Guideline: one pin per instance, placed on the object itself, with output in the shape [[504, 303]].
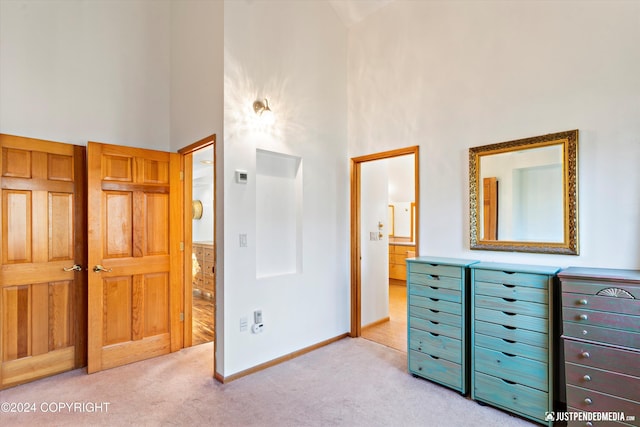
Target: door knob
[[76, 267], [99, 269]]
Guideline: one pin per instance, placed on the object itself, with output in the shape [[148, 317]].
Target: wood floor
[[203, 330], [394, 332]]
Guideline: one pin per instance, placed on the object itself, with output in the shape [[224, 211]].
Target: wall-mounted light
[[261, 107], [263, 111]]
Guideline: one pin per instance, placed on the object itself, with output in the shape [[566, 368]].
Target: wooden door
[[135, 262], [42, 298]]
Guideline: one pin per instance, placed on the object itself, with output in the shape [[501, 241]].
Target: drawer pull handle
[[508, 313], [585, 355], [509, 341], [508, 354], [435, 323], [434, 265], [583, 317], [435, 335], [434, 276], [588, 401], [509, 272], [419, 348], [434, 299], [434, 287], [434, 357], [587, 378], [507, 381], [583, 302], [510, 299], [511, 328], [508, 286], [434, 311]]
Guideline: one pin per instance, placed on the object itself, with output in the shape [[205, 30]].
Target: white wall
[[74, 71], [293, 53], [197, 71], [452, 75]]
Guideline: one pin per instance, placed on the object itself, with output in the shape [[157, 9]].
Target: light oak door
[[42, 276], [134, 215]]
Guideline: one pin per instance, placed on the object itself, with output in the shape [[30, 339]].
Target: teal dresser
[[601, 336], [512, 339], [437, 307]]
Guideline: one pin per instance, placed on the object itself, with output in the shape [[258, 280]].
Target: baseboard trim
[[278, 360], [376, 323]]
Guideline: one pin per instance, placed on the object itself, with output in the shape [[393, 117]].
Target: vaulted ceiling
[[353, 11]]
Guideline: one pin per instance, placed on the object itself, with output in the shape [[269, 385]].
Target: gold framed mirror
[[523, 195]]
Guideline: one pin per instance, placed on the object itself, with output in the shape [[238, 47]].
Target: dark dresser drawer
[[592, 401], [602, 381], [602, 318], [602, 303], [601, 334], [603, 357]]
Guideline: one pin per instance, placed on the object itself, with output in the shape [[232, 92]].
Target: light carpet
[[352, 382]]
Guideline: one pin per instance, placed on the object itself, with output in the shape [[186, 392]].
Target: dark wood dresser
[[601, 336]]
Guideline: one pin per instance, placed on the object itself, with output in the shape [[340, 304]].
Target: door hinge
[[181, 176], [181, 246], [182, 317]]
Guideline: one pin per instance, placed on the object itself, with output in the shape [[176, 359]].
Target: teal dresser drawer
[[435, 293], [436, 345], [436, 269], [511, 396], [512, 347], [512, 352], [539, 339], [433, 303], [512, 368], [508, 305], [435, 316], [435, 327], [520, 293], [437, 310], [437, 281], [509, 278], [531, 323], [436, 369]]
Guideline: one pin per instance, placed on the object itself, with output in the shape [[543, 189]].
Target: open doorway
[[384, 232], [199, 247]]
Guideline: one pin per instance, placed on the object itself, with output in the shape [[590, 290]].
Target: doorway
[[199, 248], [384, 232]]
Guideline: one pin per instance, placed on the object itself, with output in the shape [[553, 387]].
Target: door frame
[[356, 264], [188, 239]]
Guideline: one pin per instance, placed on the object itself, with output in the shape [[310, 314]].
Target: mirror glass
[[523, 195]]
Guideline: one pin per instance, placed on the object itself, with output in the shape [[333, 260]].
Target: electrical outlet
[[257, 317]]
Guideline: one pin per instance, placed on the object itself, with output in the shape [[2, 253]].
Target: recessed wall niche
[[278, 214]]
